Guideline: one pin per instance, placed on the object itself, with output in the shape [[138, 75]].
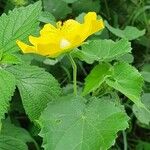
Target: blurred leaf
[[128, 81], [36, 88], [146, 72], [146, 76], [18, 25], [70, 124], [144, 41], [50, 61], [80, 17], [140, 11], [10, 143], [59, 9], [102, 50], [81, 6], [11, 4], [69, 1], [143, 145], [129, 32], [96, 77], [19, 2], [129, 58], [47, 17], [142, 114], [15, 132]]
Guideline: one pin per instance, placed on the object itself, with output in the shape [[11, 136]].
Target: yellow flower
[[54, 41]]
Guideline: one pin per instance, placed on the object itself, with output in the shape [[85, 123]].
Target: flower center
[[64, 43]]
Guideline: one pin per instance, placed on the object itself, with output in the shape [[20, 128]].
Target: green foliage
[[143, 145], [18, 24], [70, 124], [82, 6], [121, 77], [7, 143], [10, 59], [146, 72], [127, 80], [102, 50], [15, 132], [18, 2], [96, 77], [36, 88], [47, 17], [126, 58], [143, 114], [69, 1], [66, 121], [129, 32], [59, 10], [7, 86], [13, 137], [146, 75]]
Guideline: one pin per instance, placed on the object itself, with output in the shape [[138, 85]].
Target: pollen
[[64, 43]]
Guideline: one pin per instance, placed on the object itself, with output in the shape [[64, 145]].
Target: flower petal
[[33, 40], [70, 25], [90, 16], [52, 50], [70, 31], [48, 28], [91, 25], [96, 26], [26, 48]]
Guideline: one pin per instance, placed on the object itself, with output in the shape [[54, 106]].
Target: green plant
[[88, 113]]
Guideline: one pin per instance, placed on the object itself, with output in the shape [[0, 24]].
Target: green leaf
[[129, 58], [80, 17], [144, 41], [47, 17], [10, 59], [142, 114], [69, 1], [9, 129], [146, 75], [102, 50], [127, 80], [18, 2], [58, 9], [129, 32], [10, 143], [7, 86], [81, 6], [16, 137], [18, 25], [1, 54], [70, 124], [36, 87], [142, 145], [96, 77], [146, 72], [51, 62]]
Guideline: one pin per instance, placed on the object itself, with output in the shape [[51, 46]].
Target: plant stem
[[107, 9], [74, 67], [36, 145], [125, 140]]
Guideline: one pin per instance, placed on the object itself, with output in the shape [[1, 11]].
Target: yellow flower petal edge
[[54, 41]]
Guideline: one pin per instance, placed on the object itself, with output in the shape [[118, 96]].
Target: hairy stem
[[125, 140], [74, 67]]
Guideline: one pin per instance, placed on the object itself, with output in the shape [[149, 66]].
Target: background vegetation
[[118, 14]]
